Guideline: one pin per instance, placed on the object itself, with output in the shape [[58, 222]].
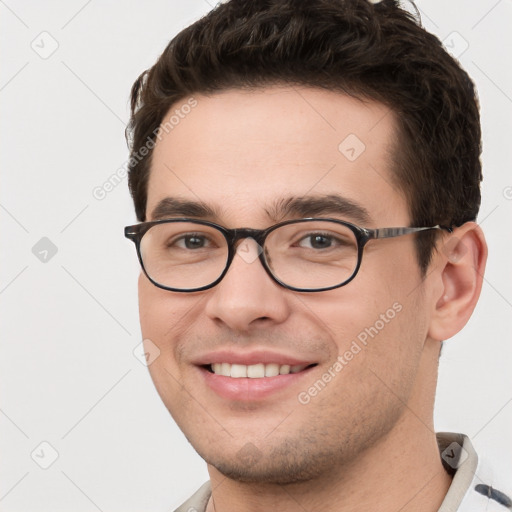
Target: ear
[[460, 271]]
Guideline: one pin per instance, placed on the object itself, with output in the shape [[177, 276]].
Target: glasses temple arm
[[393, 232]]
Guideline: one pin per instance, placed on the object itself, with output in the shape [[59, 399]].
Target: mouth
[[255, 371], [255, 376]]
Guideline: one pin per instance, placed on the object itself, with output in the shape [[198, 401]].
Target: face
[[354, 351]]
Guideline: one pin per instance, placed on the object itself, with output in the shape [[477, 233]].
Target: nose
[[247, 297]]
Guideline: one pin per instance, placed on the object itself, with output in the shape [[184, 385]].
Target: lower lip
[[246, 389]]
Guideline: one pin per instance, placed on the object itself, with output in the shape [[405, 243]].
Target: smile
[[254, 371]]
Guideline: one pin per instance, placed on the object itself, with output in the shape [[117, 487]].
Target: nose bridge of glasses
[[240, 240], [258, 235], [247, 243]]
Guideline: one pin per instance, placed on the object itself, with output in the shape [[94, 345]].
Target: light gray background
[[69, 324]]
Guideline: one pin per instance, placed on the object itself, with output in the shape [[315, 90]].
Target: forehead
[[245, 152]]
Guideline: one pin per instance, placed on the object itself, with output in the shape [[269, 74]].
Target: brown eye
[[317, 241]]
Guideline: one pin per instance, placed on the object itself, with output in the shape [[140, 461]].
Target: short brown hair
[[369, 51]]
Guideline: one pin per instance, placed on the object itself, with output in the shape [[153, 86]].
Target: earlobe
[[461, 259]]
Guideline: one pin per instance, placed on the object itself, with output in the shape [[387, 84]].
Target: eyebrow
[[291, 207], [176, 207], [316, 206]]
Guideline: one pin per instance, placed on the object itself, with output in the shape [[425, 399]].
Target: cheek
[[167, 319], [160, 311], [378, 351], [152, 310], [164, 316], [378, 319]]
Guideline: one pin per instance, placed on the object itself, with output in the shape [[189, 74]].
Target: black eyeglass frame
[[232, 236]]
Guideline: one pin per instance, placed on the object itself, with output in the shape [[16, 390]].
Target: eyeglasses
[[304, 255]]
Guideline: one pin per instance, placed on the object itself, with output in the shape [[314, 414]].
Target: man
[[273, 145]]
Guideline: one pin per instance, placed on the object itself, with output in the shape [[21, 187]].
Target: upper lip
[[249, 358]]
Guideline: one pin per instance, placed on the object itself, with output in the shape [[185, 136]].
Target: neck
[[403, 471]]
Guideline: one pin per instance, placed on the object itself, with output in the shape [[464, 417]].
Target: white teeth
[[271, 370], [255, 371], [284, 370], [238, 371]]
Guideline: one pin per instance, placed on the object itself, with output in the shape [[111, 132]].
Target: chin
[[283, 465]]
